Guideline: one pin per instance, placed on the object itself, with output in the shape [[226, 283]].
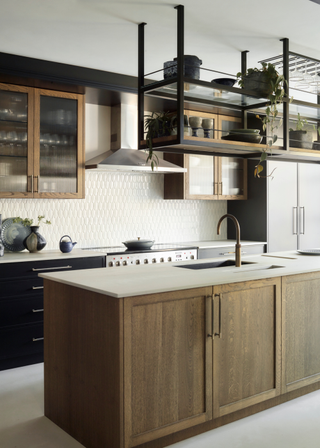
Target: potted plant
[[34, 242], [299, 137], [158, 124], [266, 81]]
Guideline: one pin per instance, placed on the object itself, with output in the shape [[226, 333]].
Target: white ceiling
[[103, 34]]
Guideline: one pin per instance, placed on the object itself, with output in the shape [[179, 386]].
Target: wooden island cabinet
[[154, 369]]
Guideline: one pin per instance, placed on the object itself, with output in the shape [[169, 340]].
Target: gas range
[[119, 256]]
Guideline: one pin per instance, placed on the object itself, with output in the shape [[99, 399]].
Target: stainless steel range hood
[[123, 155]]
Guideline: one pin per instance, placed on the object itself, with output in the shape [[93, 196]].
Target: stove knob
[[110, 264], [192, 257], [146, 261], [117, 263], [161, 260], [169, 259], [137, 261], [124, 263], [154, 260]]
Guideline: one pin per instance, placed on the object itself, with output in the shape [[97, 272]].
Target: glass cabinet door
[[16, 109], [58, 140], [233, 176], [201, 176]]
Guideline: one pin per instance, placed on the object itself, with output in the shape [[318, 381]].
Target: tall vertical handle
[[210, 317], [295, 220], [302, 222], [220, 316]]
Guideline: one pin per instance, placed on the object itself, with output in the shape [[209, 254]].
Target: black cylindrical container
[[191, 67]]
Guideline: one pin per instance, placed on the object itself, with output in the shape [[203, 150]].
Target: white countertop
[[17, 257], [149, 279], [220, 243]]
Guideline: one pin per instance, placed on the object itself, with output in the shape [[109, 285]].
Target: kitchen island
[[147, 356]]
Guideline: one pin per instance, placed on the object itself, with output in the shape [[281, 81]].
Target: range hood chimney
[[124, 155]]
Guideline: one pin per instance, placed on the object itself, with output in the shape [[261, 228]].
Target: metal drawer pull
[[51, 269], [211, 334], [37, 339], [37, 311], [37, 287], [220, 315]]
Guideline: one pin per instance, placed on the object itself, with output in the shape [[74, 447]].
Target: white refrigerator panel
[[309, 206], [282, 206]]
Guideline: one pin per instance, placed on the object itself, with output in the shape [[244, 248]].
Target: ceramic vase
[[34, 242]]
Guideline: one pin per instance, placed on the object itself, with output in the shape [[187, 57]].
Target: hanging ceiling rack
[[298, 61]]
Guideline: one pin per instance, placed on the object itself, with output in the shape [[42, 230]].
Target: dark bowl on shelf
[[248, 138], [225, 81], [244, 131]]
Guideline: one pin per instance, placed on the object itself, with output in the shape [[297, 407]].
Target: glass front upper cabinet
[[58, 144], [41, 143], [16, 138]]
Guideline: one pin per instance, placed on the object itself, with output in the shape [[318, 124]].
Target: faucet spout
[[238, 245]]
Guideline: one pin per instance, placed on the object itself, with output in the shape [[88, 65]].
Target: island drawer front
[[33, 268], [24, 341], [28, 287], [215, 252], [22, 310]]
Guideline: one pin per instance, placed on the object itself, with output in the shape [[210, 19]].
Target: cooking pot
[[66, 246], [138, 244]]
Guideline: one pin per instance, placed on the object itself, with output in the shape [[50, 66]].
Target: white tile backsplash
[[118, 207]]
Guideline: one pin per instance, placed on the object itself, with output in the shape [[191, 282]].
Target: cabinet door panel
[[16, 141], [58, 144], [247, 353], [301, 331], [167, 379], [201, 178], [282, 206], [309, 211]]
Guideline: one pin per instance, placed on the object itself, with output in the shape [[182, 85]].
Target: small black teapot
[[66, 246]]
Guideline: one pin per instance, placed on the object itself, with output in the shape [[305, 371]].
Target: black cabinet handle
[[51, 269]]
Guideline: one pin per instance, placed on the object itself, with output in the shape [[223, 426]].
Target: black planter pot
[[300, 139], [258, 83]]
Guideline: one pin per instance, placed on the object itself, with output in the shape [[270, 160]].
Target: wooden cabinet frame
[[300, 331], [247, 344], [173, 329], [33, 149]]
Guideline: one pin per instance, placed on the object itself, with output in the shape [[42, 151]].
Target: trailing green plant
[[29, 221], [276, 97], [156, 125]]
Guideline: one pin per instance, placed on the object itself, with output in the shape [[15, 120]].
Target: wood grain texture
[[83, 364], [247, 357], [301, 331], [168, 364], [229, 418]]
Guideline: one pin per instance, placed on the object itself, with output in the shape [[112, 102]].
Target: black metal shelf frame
[[160, 89]]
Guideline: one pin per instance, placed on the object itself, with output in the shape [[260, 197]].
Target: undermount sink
[[213, 264]]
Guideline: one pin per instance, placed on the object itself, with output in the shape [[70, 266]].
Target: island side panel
[[83, 364]]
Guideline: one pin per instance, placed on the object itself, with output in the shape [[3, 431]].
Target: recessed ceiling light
[[315, 1]]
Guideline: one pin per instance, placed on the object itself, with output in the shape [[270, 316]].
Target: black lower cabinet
[[21, 307]]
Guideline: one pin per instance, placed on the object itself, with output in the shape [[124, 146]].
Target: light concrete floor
[[295, 424]]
